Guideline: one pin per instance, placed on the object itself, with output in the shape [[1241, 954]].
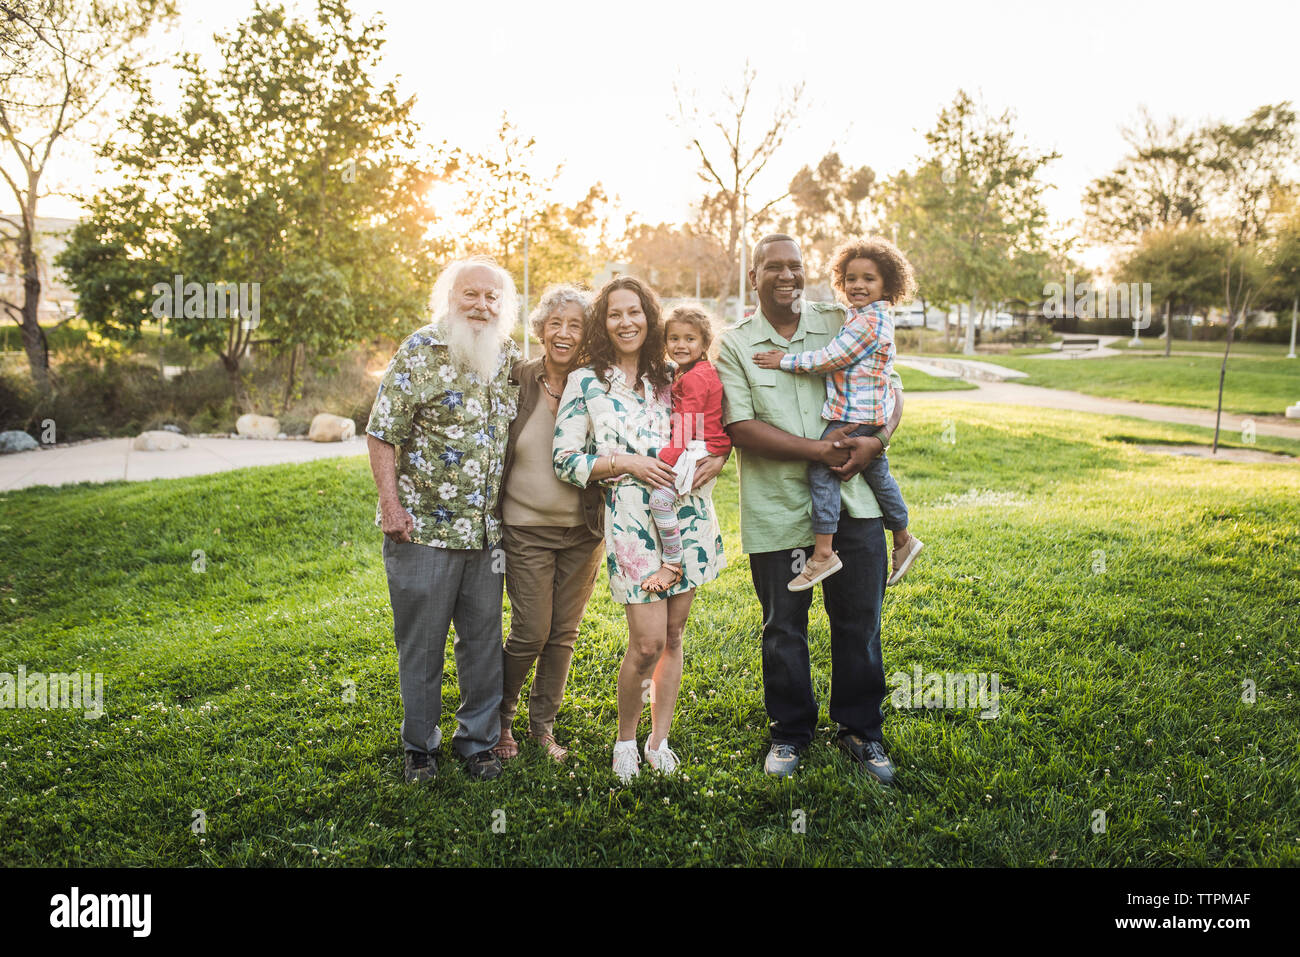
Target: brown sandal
[[553, 750], [506, 747], [654, 585]]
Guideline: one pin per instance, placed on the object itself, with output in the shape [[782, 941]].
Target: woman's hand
[[771, 359], [647, 470], [707, 469]]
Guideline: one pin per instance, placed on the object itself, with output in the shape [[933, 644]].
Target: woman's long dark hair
[[597, 350]]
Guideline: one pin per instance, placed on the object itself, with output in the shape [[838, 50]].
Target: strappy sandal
[[553, 750], [675, 570], [506, 747]]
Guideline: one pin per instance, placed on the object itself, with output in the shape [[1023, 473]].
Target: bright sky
[[593, 82]]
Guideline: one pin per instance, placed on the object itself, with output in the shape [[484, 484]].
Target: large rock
[[159, 441], [257, 426], [331, 428], [17, 442]]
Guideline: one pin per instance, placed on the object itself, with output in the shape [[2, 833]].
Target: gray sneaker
[[781, 761]]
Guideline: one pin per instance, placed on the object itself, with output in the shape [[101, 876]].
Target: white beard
[[474, 350]]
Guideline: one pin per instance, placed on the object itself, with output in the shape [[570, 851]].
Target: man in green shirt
[[774, 420]]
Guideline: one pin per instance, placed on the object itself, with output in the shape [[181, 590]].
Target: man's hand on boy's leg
[[863, 450]]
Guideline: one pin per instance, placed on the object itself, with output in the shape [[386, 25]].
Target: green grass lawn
[[1122, 597], [1255, 384], [1157, 346], [914, 380]]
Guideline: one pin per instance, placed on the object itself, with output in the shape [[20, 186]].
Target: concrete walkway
[[1013, 393], [109, 459]]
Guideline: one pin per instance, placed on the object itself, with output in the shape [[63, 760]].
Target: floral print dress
[[590, 424]]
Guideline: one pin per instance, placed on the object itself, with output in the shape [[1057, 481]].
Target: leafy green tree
[[831, 203], [286, 166], [61, 59], [1162, 182], [975, 202], [1184, 265]]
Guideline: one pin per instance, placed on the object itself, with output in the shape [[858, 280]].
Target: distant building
[[58, 302]]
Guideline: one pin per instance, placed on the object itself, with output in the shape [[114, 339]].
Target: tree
[[62, 60], [1251, 162], [285, 167], [1184, 265], [831, 203], [1245, 277], [976, 199], [1161, 182], [674, 258], [731, 161], [495, 198]]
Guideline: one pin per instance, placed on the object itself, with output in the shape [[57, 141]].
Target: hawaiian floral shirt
[[449, 428]]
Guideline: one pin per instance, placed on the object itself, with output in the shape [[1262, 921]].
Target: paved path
[[1013, 393], [109, 459]]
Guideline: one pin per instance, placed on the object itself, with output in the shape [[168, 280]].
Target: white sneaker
[[664, 760], [625, 764]]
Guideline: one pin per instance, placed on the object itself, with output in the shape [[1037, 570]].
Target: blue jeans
[[853, 599], [825, 489]]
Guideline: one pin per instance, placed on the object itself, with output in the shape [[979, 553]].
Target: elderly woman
[[552, 533], [614, 415]]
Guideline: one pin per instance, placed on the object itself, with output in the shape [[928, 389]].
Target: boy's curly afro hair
[[894, 268]]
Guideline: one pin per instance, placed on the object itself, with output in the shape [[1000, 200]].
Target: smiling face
[[778, 278], [476, 297], [685, 344], [625, 323], [562, 334], [863, 283]]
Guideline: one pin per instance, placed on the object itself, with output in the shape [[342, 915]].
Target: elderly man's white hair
[[440, 301]]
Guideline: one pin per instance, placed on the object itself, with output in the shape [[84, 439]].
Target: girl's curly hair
[[895, 270], [597, 350]]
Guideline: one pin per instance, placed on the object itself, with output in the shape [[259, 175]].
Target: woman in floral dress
[[613, 417]]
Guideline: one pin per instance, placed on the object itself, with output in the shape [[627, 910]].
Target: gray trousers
[[431, 589]]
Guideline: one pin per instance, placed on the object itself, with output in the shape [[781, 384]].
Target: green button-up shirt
[[775, 502]]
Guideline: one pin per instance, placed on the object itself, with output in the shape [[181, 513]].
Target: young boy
[[869, 275]]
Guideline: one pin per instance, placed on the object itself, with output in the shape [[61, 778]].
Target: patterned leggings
[[663, 507]]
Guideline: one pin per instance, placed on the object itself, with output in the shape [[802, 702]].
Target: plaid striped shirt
[[857, 364]]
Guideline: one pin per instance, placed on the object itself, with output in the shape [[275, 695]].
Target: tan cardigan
[[524, 374]]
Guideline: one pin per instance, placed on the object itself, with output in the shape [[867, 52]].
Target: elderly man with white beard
[[437, 439]]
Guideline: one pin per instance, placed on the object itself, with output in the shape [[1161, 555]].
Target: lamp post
[[740, 297], [524, 316], [1294, 303]]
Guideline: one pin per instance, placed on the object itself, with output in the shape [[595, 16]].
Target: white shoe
[[664, 760], [625, 764]]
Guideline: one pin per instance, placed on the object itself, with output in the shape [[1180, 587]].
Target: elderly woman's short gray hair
[[554, 298]]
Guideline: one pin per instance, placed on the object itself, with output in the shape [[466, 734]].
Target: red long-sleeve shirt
[[697, 412]]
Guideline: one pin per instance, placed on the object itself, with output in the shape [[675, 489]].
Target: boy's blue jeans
[[825, 488]]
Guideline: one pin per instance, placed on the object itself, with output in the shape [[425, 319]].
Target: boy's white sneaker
[[625, 763], [663, 760]]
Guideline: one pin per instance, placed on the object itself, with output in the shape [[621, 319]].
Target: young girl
[[696, 425], [869, 275]]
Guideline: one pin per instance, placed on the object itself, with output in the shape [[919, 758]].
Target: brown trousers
[[550, 574]]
